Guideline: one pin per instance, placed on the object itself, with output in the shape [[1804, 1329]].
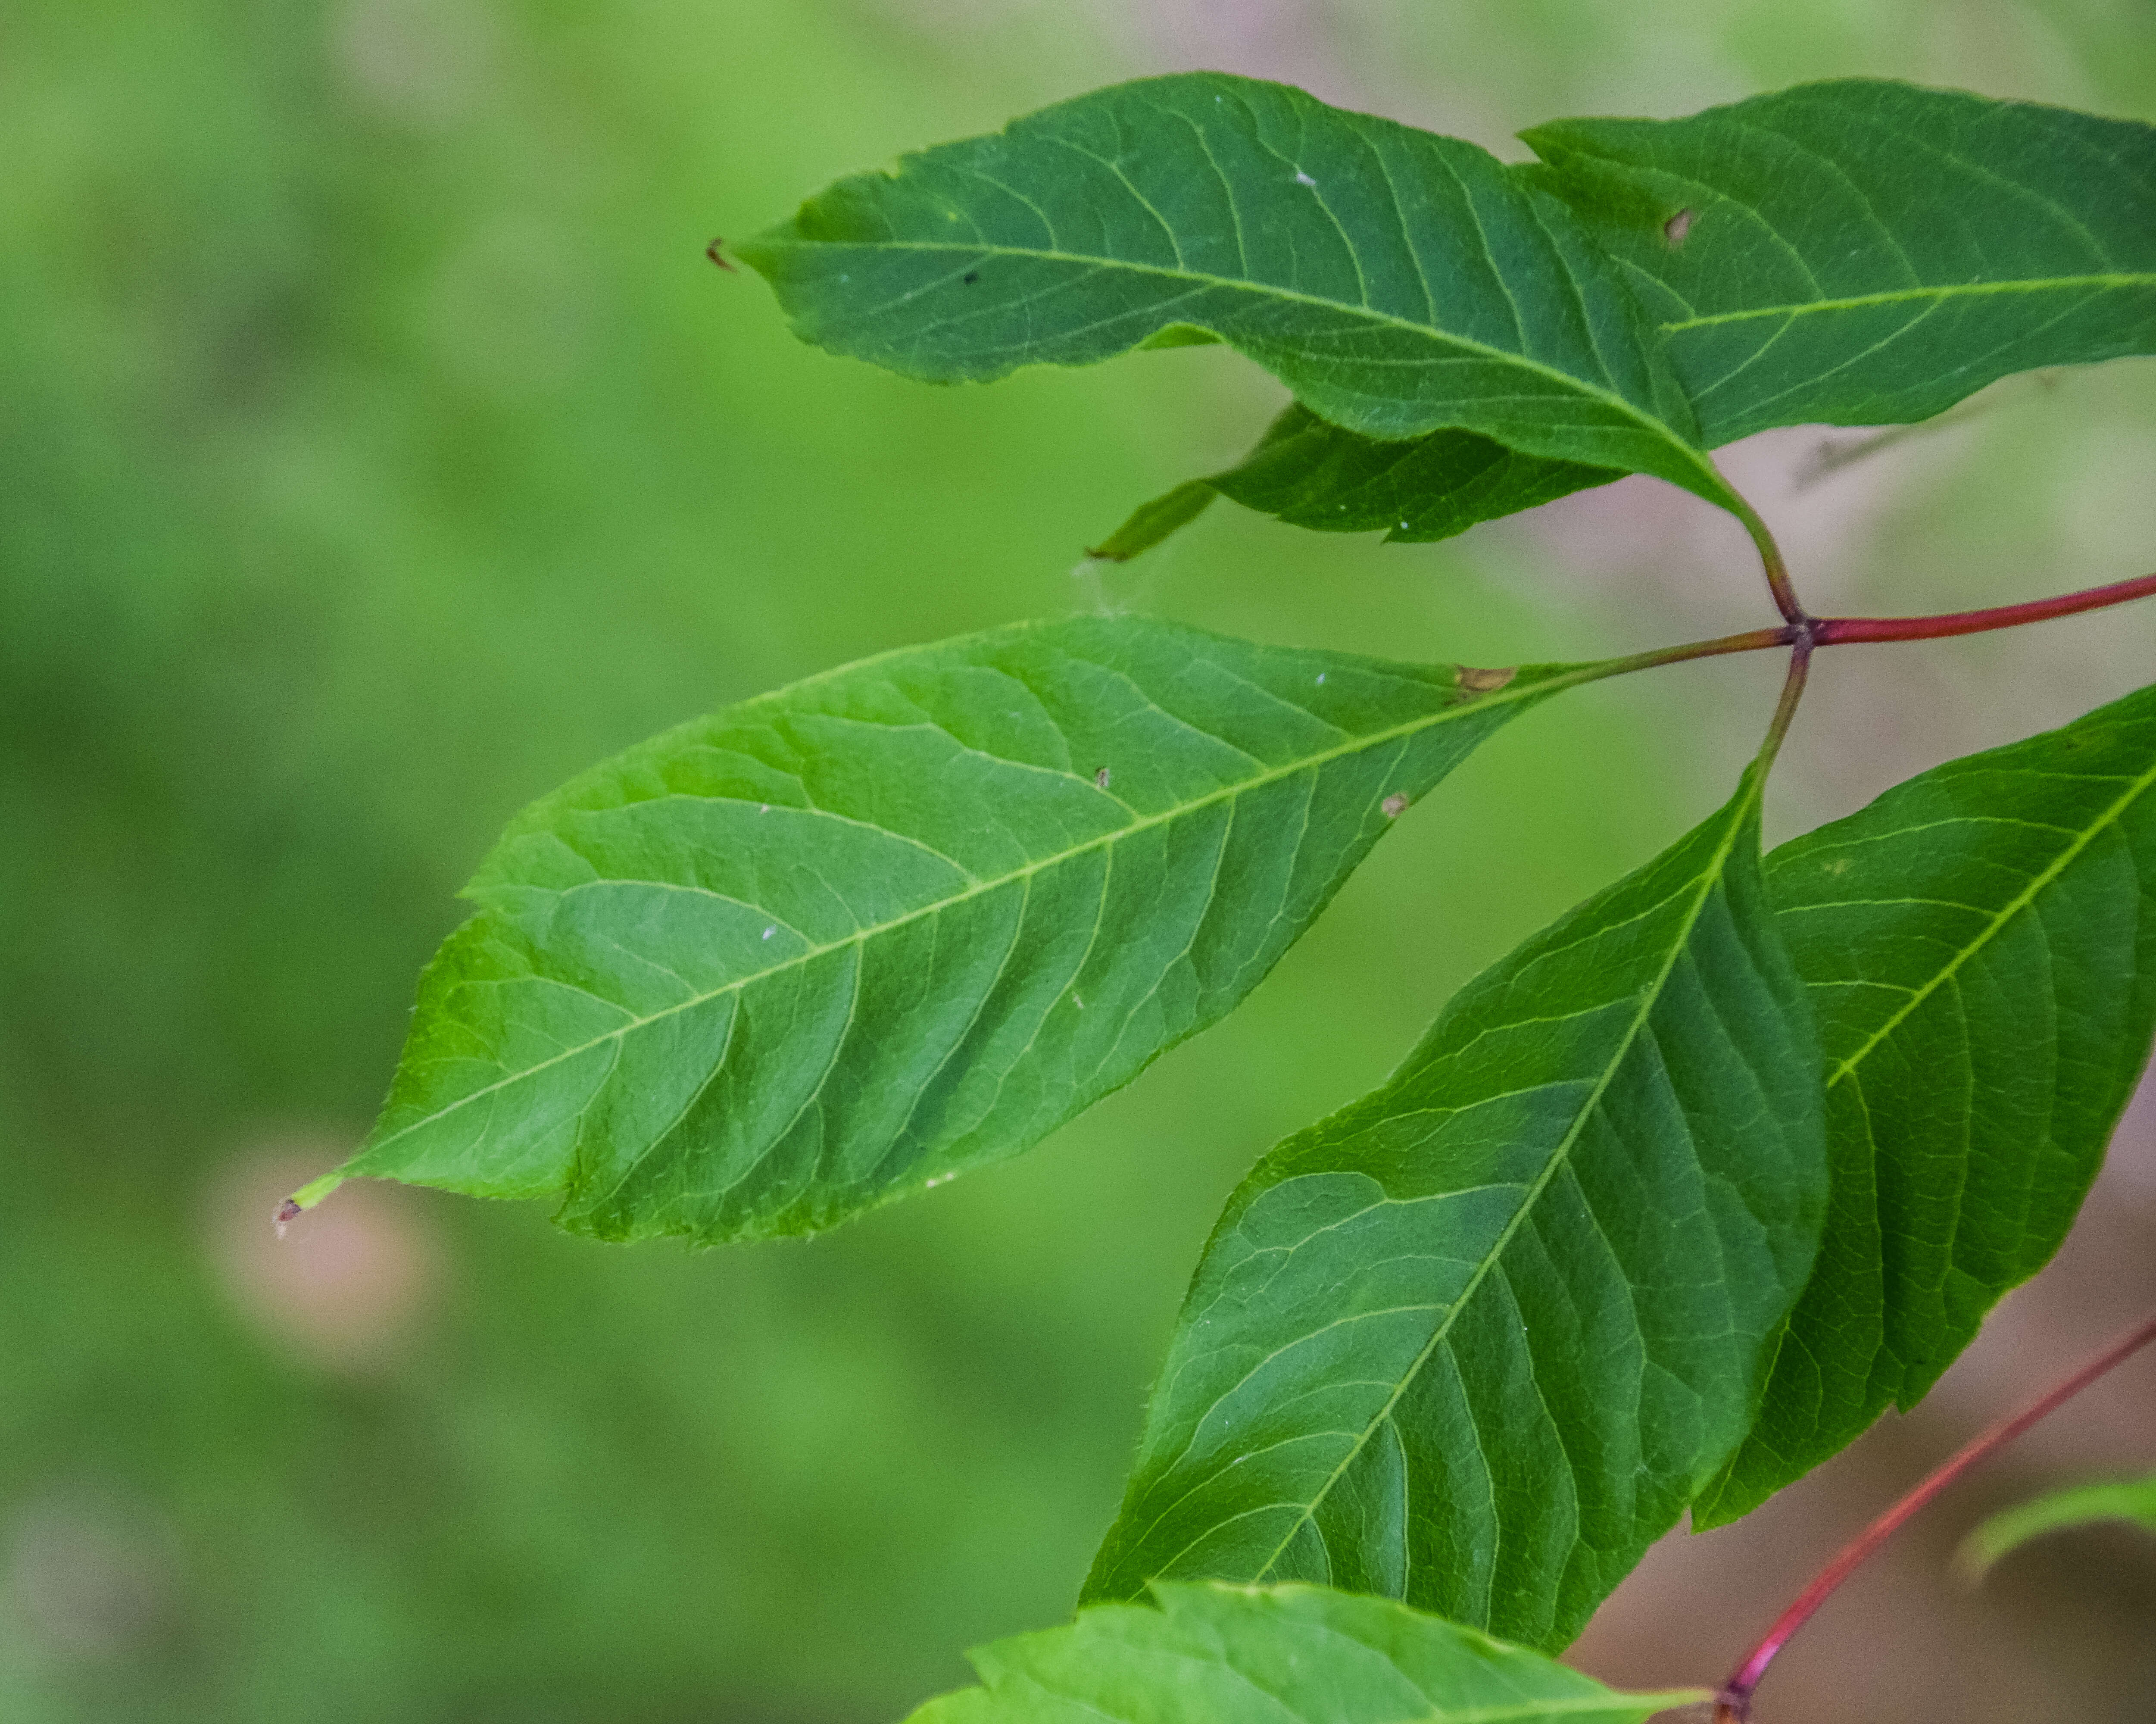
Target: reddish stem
[[1733, 1704], [1841, 631], [1835, 631]]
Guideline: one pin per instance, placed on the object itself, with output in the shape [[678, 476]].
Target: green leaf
[[1477, 1340], [1397, 282], [1291, 1654], [1856, 253], [841, 941], [1866, 253], [2133, 1500], [1310, 474], [1980, 947]]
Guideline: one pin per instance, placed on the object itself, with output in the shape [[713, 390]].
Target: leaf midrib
[[2020, 901], [1506, 696], [1574, 385], [1559, 1158], [1859, 301]]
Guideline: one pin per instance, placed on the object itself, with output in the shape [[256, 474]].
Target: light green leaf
[[841, 941], [1396, 281], [1477, 1340], [2133, 1500], [1980, 947], [1309, 474], [1866, 253], [1290, 1654]]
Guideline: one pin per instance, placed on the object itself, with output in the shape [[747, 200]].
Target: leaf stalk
[[1848, 631], [1732, 1703]]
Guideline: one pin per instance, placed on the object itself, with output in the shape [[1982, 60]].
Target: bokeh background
[[377, 449]]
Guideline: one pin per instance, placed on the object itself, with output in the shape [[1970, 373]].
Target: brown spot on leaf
[[719, 257], [1101, 778], [1395, 805], [1485, 682], [1678, 225]]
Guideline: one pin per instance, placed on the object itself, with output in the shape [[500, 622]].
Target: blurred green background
[[377, 449]]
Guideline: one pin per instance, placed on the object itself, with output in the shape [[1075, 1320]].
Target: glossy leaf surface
[[1397, 282], [1867, 253], [1980, 947], [841, 942], [2130, 1501], [1309, 474], [1477, 1340], [1292, 1654]]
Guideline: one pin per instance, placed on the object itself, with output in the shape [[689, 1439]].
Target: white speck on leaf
[[1101, 778], [1304, 179], [770, 931], [1395, 805], [1320, 676]]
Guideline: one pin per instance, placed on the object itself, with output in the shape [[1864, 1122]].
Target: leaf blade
[[1513, 1226], [1215, 1655], [1397, 282], [1306, 473], [1980, 944], [841, 941], [2130, 1501]]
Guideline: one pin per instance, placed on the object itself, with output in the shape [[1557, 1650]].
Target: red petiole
[[1844, 631], [1732, 1705]]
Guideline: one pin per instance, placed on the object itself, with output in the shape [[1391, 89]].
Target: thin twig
[[1733, 1703]]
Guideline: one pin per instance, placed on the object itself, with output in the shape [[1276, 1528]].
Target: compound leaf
[[1397, 282], [2132, 1500], [1867, 253], [1477, 1340], [1307, 473], [1980, 947], [1290, 1654], [841, 942]]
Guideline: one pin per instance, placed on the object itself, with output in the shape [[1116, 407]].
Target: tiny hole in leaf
[[1395, 805], [1484, 682], [1101, 777], [1678, 225]]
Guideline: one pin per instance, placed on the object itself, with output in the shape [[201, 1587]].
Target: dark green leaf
[[1477, 1340], [1292, 1654], [841, 941], [1151, 522], [1980, 945], [1857, 253], [1310, 474], [2133, 1500], [1396, 281], [1866, 252]]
